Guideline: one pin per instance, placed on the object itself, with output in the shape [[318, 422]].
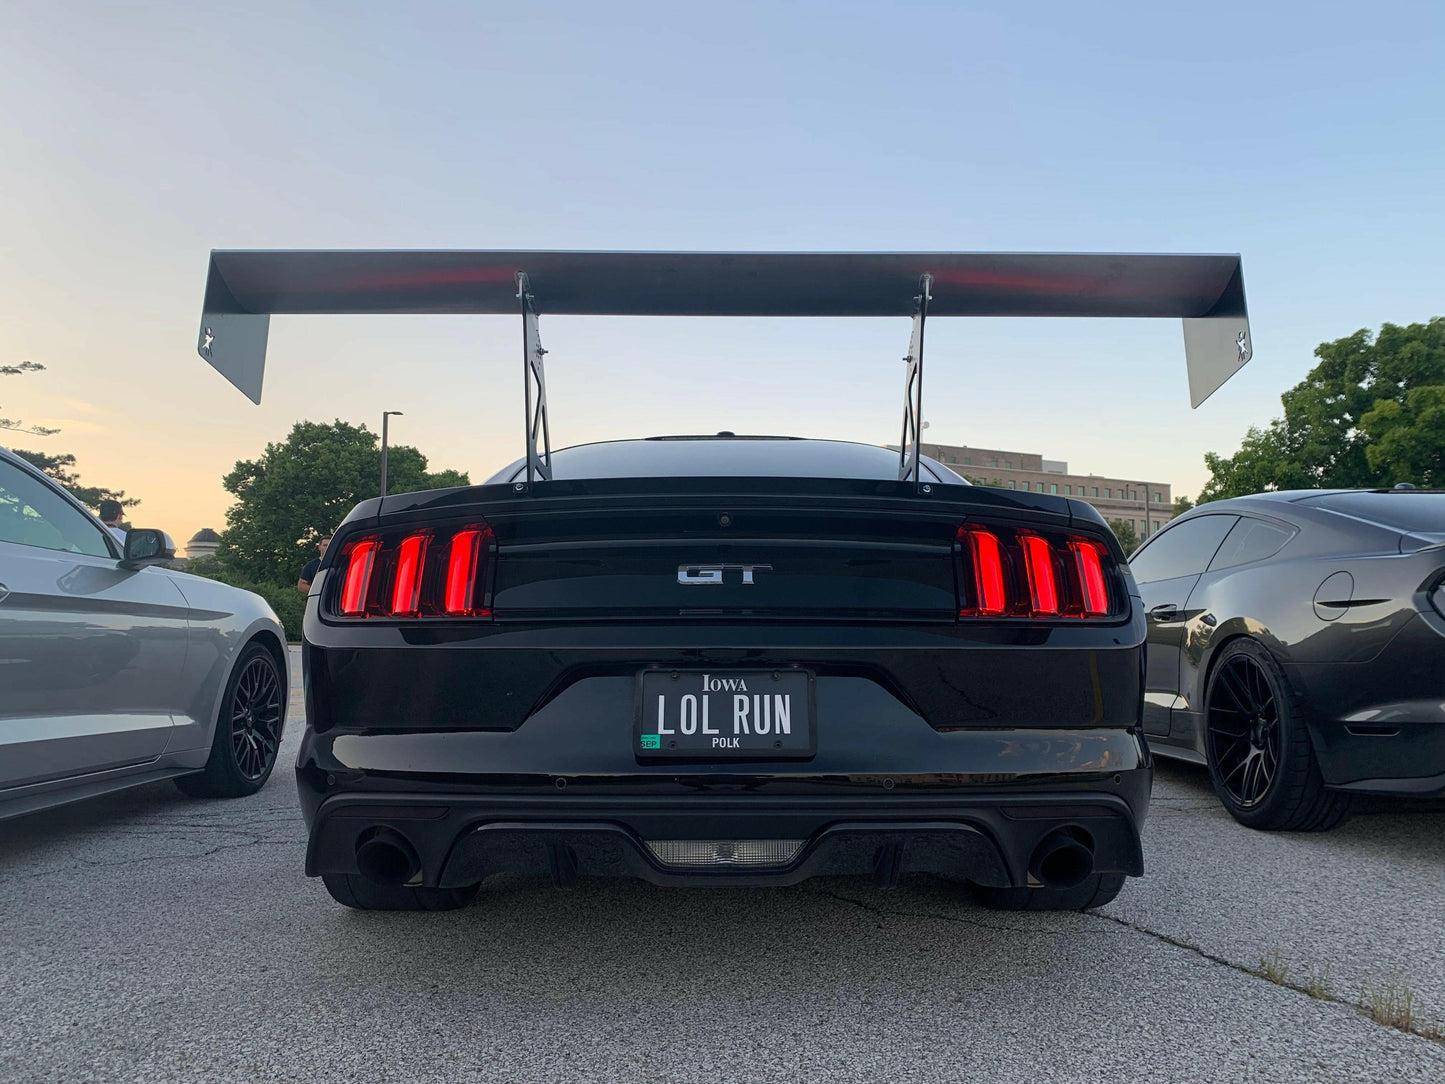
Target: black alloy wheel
[[1261, 759], [249, 728], [1243, 721], [256, 717]]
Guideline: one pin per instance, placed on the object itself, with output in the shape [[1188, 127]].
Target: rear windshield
[[1401, 510], [683, 457]]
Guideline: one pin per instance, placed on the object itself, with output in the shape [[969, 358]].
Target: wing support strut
[[910, 448], [534, 380]]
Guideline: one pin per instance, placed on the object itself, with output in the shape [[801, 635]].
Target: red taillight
[[991, 597], [360, 562], [1016, 573], [406, 588], [463, 564], [1039, 565], [432, 573], [1094, 592]]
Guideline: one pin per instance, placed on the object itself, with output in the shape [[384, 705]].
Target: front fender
[[223, 620]]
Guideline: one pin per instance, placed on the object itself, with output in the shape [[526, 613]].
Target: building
[[202, 544], [1147, 505]]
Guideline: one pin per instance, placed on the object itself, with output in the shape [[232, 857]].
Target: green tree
[[1126, 534], [1407, 440], [16, 423], [299, 489], [1182, 504], [59, 467], [1368, 414]]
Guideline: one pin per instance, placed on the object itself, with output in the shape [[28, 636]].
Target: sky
[[135, 138]]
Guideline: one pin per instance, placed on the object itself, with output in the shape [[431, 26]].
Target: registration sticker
[[651, 741]]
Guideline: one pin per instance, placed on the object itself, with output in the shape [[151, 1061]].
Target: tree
[[1407, 440], [16, 423], [59, 467], [1124, 531], [1182, 504], [1369, 414], [299, 489]]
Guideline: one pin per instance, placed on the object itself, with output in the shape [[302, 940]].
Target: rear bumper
[[985, 838], [512, 751]]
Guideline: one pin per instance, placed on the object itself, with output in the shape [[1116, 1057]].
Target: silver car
[[117, 671]]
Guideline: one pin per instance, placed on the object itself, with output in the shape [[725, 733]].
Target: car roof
[[725, 455], [1383, 508]]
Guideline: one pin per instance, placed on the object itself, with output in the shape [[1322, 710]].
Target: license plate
[[724, 713]]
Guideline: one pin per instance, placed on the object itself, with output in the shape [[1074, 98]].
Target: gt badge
[[702, 574]]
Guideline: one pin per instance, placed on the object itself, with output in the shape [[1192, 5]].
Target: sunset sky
[[133, 139]]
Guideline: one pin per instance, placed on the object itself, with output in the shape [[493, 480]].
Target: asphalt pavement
[[151, 937]]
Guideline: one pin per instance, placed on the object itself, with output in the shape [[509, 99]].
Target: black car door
[[1166, 569]]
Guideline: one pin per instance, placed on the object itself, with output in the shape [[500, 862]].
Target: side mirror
[[147, 547]]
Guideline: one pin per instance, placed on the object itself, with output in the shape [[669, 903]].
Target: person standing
[[309, 572], [112, 515]]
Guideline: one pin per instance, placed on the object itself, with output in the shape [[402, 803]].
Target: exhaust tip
[[387, 857], [1062, 860]]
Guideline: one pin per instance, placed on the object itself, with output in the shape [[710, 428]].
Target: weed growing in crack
[[1318, 986], [1273, 968], [1389, 1001]]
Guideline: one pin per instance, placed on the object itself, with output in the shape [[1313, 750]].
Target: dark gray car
[[1297, 647], [115, 670]]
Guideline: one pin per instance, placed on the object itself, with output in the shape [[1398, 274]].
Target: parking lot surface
[[147, 936]]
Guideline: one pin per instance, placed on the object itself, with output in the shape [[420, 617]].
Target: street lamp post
[[385, 414]]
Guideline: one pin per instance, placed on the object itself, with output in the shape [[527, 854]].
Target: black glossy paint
[[1344, 607], [921, 716]]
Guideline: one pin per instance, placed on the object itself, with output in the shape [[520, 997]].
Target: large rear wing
[[243, 289]]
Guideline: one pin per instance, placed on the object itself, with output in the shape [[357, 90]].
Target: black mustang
[[724, 660], [1297, 647]]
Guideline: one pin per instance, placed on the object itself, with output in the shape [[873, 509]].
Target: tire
[[355, 891], [1096, 890], [1261, 760], [249, 728]]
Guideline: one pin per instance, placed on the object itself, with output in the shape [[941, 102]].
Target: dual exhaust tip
[[386, 857], [1063, 859]]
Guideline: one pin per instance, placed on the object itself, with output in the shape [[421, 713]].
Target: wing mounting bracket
[[910, 449], [534, 380]]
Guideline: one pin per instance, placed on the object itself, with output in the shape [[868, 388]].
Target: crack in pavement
[[961, 920], [88, 863], [1429, 1034], [1325, 997]]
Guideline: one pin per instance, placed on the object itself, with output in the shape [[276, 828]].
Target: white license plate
[[724, 713]]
